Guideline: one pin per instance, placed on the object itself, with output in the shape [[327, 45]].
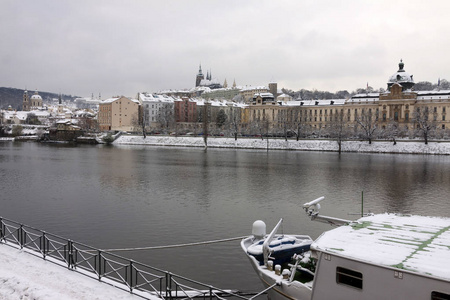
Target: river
[[135, 196]]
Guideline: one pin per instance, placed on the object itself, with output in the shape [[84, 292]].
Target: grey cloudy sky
[[116, 47]]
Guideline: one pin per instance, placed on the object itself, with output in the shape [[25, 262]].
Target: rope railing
[[146, 281], [176, 245]]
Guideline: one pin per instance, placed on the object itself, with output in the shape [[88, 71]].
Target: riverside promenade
[[26, 276]]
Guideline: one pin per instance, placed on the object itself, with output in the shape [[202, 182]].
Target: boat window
[[439, 296], [349, 277]]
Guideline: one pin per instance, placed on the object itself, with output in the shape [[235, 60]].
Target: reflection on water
[[130, 196]]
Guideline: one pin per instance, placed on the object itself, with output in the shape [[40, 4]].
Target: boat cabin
[[384, 256]]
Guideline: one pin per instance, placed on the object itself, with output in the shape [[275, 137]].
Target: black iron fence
[[140, 279]]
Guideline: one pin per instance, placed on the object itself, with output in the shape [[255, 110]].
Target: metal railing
[[140, 279]]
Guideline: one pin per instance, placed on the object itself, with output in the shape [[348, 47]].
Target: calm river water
[[133, 196]]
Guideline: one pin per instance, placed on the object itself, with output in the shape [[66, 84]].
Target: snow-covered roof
[[326, 102], [36, 97], [252, 88], [362, 98], [206, 82], [22, 115], [414, 243], [155, 97], [263, 95], [433, 95], [110, 100], [367, 95]]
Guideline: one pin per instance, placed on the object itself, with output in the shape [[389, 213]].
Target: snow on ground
[[402, 146], [25, 276]]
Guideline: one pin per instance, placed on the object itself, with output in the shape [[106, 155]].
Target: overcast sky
[[115, 47]]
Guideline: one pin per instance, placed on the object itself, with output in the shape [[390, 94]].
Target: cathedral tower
[[199, 77], [26, 101]]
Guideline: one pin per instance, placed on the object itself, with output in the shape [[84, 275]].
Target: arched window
[[396, 116]]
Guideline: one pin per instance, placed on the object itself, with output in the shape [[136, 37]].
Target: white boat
[[385, 256]]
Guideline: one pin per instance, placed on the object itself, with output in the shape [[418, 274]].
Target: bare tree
[[337, 128], [166, 118], [390, 131], [425, 121], [257, 127], [87, 124], [235, 121], [135, 122], [283, 122], [368, 122], [297, 122]]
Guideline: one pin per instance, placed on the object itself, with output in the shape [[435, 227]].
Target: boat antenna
[[362, 204], [312, 210]]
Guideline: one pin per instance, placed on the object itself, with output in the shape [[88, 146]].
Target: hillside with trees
[[14, 97]]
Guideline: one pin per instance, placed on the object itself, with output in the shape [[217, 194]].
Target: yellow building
[[400, 110], [119, 113]]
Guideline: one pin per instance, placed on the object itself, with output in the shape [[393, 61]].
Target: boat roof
[[414, 243]]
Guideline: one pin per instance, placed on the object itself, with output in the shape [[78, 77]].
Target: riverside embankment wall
[[402, 146]]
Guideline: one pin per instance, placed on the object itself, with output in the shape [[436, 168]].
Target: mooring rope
[[177, 245]]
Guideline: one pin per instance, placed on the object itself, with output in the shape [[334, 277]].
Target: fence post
[[131, 276], [43, 244], [2, 232], [70, 261], [20, 236], [99, 269], [168, 285]]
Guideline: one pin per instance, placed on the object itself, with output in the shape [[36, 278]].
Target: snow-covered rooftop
[[316, 102], [263, 95], [433, 95], [414, 243], [110, 100], [252, 88], [155, 97]]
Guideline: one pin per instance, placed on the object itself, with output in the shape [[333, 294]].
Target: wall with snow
[[411, 147]]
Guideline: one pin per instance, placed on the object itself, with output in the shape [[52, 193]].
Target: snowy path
[[25, 276]]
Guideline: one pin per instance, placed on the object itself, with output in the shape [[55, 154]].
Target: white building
[[156, 109]]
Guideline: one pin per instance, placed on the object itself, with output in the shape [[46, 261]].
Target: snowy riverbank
[[25, 276], [402, 146]]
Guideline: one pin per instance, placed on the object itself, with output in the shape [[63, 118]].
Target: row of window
[[355, 279]]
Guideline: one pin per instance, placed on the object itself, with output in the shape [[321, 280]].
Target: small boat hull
[[281, 288]]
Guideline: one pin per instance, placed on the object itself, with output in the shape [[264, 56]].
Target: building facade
[[157, 110], [185, 110], [119, 113], [247, 93], [400, 110]]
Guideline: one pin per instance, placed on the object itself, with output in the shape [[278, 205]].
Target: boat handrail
[[266, 249]]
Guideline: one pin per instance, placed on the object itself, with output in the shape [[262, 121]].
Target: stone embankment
[[402, 146]]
